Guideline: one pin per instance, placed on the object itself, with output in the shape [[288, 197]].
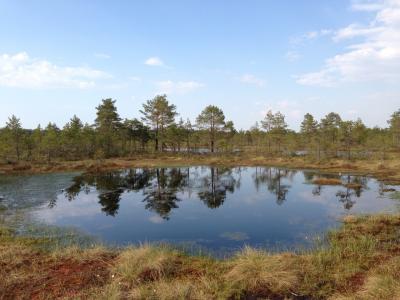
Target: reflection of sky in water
[[216, 209]]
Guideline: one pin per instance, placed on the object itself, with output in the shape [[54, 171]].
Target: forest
[[160, 130]]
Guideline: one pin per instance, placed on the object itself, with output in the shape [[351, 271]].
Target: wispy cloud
[[102, 56], [135, 78], [179, 87], [156, 220], [292, 109], [252, 79], [366, 5], [375, 58], [292, 56], [311, 35], [154, 62], [21, 71]]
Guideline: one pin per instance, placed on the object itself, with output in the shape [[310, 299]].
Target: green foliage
[[50, 141], [159, 115], [211, 119], [275, 127], [72, 136], [107, 125], [15, 132], [137, 135], [394, 124], [109, 136]]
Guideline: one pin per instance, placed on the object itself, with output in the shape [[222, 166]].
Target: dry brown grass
[[256, 273], [388, 170], [354, 186], [360, 261], [30, 273], [327, 181], [146, 264]]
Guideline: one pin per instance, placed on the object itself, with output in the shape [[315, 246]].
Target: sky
[[60, 58]]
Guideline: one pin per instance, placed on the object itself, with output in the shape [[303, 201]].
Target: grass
[[360, 260], [327, 181], [388, 170]]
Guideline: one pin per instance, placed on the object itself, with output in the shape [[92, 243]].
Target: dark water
[[216, 209]]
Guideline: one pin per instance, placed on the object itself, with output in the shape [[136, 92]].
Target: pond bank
[[361, 261], [388, 170]]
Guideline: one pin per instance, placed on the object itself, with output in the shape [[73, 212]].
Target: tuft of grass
[[327, 181], [169, 290], [360, 260], [354, 186], [254, 272], [145, 264]]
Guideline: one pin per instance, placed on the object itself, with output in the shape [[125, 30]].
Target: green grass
[[360, 260]]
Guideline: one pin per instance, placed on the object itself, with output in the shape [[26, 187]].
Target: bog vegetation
[[160, 130], [359, 261]]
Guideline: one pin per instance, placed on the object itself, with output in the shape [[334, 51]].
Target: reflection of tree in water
[[272, 177], [215, 185], [80, 184], [161, 195], [354, 186], [160, 187], [110, 186], [110, 201], [308, 176]]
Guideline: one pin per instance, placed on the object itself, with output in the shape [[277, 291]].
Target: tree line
[[159, 130]]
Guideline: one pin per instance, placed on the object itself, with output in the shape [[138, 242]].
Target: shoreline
[[388, 170], [358, 260], [361, 260]]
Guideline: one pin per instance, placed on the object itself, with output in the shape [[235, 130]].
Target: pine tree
[[15, 131], [159, 115], [211, 119], [107, 125]]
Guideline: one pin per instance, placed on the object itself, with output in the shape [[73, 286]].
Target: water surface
[[216, 209]]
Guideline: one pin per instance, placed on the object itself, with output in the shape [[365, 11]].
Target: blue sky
[[60, 58]]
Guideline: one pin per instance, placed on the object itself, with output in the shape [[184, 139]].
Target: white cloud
[[311, 35], [366, 5], [292, 109], [179, 87], [156, 220], [102, 56], [21, 71], [135, 78], [321, 78], [154, 61], [375, 58], [292, 56], [251, 79], [356, 30]]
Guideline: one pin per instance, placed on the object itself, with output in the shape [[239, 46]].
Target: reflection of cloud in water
[[87, 206], [367, 203], [307, 196], [235, 236], [156, 220], [255, 198]]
